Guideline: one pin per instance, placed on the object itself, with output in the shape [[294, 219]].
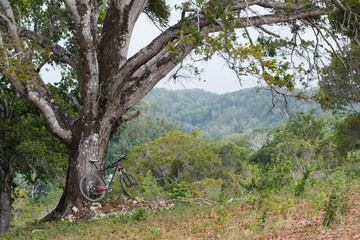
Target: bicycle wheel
[[92, 187], [130, 185]]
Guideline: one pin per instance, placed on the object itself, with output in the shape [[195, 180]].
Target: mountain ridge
[[221, 114]]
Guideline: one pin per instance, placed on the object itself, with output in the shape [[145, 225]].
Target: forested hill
[[221, 114]]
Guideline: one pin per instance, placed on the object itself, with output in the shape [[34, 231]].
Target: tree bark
[[5, 202], [87, 144]]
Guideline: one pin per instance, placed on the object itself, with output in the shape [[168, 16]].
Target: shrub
[[300, 185], [150, 186], [180, 191], [337, 202], [208, 188]]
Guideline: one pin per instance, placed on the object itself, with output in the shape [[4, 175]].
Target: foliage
[[150, 186], [27, 145], [147, 127], [300, 184], [180, 191], [304, 140], [24, 212], [231, 154], [32, 201], [207, 188], [175, 157], [139, 214], [221, 220], [340, 80], [274, 175], [347, 134], [158, 11], [336, 203], [263, 207], [344, 20]]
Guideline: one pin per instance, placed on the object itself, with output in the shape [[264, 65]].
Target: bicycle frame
[[117, 169]]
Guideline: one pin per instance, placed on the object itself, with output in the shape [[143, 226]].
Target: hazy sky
[[216, 76]]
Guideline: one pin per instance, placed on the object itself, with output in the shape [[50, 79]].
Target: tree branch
[[116, 34], [32, 85], [59, 51], [126, 119], [71, 6], [152, 76], [51, 116], [75, 101], [157, 45]]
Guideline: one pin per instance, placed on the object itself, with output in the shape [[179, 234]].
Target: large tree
[[92, 37]]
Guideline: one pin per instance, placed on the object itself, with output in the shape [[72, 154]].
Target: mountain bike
[[93, 187]]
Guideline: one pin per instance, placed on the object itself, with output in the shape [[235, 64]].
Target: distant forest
[[217, 115]]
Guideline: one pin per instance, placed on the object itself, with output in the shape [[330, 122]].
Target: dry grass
[[286, 217]]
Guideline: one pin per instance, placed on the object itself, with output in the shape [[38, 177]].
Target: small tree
[[26, 147], [176, 157]]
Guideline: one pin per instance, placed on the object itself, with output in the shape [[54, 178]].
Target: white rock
[[75, 209]]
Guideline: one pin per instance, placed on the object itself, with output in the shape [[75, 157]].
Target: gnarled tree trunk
[[87, 144]]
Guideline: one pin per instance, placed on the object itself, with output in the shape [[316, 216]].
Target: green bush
[[23, 211], [180, 191], [336, 202], [150, 186], [207, 188], [300, 185], [273, 175]]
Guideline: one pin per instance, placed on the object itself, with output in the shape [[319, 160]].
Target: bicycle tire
[[88, 185], [132, 189]]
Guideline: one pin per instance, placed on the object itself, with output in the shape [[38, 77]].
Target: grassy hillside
[[221, 114], [278, 216]]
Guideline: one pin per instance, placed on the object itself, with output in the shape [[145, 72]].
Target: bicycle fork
[[130, 185]]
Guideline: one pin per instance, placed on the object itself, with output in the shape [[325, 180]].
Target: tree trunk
[[5, 203], [86, 145]]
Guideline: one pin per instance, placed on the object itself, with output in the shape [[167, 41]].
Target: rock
[[92, 208], [75, 209]]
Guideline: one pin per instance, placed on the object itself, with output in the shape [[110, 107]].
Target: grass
[[278, 215]]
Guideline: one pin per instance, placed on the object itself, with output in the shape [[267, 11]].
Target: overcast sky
[[216, 76]]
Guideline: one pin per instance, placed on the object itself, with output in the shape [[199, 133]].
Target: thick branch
[[150, 53], [136, 87], [271, 5], [126, 119], [71, 6], [117, 30], [87, 69], [50, 116]]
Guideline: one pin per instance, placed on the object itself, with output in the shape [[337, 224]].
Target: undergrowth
[[254, 215]]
